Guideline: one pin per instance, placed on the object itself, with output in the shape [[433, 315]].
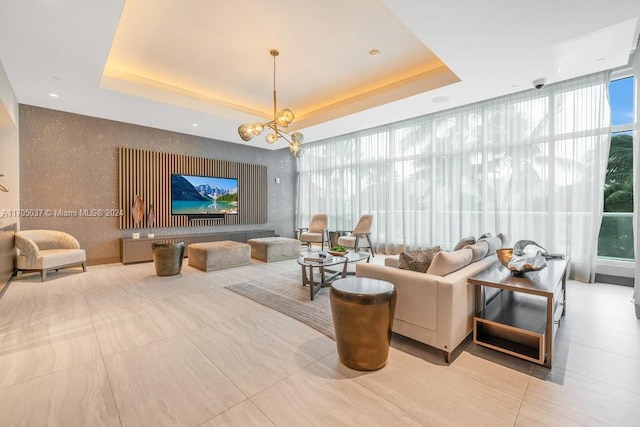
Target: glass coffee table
[[353, 257], [323, 275]]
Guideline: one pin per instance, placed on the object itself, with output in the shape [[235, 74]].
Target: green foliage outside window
[[616, 232]]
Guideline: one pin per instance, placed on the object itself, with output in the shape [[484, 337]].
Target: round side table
[[362, 310]]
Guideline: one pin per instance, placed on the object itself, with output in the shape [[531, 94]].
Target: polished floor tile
[[32, 351], [249, 354], [132, 326], [436, 394], [245, 414], [320, 396], [169, 382], [78, 396]]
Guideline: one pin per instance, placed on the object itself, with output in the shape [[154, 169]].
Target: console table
[[139, 250], [522, 319]]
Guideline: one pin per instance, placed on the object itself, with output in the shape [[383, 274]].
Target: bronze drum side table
[[167, 257], [363, 310]]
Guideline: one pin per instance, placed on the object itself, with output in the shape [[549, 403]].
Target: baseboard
[[614, 280]]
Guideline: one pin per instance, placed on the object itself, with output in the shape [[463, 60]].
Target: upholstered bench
[[210, 256], [270, 249]]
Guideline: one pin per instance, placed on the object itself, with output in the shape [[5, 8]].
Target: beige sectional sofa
[[437, 310]]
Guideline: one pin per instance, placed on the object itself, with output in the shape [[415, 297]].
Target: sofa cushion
[[464, 242], [448, 262], [418, 260], [480, 250], [505, 239], [392, 261], [494, 244]]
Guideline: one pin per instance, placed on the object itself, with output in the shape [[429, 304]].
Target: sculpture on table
[[526, 255], [151, 219], [137, 210]]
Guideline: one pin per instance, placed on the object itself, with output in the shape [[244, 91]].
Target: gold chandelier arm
[[275, 53], [283, 118]]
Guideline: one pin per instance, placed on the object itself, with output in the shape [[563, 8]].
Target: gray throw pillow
[[480, 250], [505, 239], [418, 260], [494, 244], [464, 242]]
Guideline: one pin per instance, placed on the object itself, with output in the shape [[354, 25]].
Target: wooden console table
[[522, 319], [139, 250]]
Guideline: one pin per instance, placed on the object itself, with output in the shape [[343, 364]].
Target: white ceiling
[[174, 63]]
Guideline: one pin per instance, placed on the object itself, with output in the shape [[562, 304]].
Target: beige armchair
[[317, 232], [360, 237], [45, 250]]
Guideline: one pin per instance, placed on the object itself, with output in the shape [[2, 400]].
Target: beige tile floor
[[118, 345]]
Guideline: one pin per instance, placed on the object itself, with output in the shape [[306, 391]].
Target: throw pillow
[[479, 250], [448, 262], [464, 242], [418, 260], [484, 236], [494, 244], [505, 239]]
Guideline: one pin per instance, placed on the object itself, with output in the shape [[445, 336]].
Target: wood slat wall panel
[[148, 174]]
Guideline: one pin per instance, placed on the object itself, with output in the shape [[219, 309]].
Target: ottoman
[[362, 311], [270, 249], [210, 256]]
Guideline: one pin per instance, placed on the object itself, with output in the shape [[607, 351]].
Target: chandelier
[[281, 119]]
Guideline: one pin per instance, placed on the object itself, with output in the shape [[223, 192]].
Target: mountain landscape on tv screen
[[204, 198]]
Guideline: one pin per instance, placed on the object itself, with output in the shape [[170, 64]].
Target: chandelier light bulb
[[271, 138], [297, 138], [295, 149], [245, 132], [257, 128], [284, 117]]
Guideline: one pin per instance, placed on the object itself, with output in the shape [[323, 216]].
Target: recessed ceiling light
[[440, 99], [601, 59], [374, 52], [195, 125], [53, 95], [514, 86]]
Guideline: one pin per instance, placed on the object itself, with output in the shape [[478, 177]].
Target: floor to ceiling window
[[616, 233], [531, 164]]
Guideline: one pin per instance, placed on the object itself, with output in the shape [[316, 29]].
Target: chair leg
[[43, 275], [370, 246], [84, 266], [447, 357]]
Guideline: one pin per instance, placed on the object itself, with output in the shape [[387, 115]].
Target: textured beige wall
[[69, 162]]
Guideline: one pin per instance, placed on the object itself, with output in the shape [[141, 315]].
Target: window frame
[[611, 265]]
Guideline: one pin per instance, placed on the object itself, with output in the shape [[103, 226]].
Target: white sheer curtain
[[530, 164]]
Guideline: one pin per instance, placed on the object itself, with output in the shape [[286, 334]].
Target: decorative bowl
[[505, 255], [525, 264], [337, 253]]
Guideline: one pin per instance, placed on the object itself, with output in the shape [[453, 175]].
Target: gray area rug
[[286, 294]]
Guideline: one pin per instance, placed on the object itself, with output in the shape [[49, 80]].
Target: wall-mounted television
[[203, 197]]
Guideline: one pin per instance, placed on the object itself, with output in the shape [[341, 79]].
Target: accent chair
[[317, 232], [360, 237], [45, 250]]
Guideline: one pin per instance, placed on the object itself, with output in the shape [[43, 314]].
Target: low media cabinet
[[139, 250]]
